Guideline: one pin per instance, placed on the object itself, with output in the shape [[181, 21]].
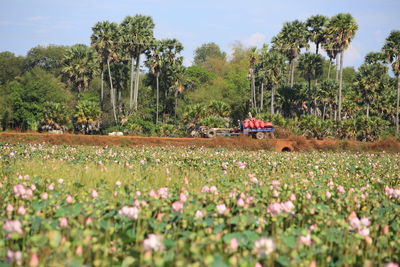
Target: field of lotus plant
[[168, 206]]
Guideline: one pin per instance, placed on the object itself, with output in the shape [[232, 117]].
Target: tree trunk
[[290, 71], [158, 97], [292, 75], [309, 96], [324, 112], [112, 95], [329, 69], [131, 88], [176, 101], [368, 110], [398, 103], [262, 97], [340, 86], [135, 93], [253, 87], [337, 67], [317, 48], [272, 100], [102, 88], [315, 97]]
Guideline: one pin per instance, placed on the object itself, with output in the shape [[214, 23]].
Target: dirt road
[[243, 142]]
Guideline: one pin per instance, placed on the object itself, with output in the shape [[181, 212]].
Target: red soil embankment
[[243, 142]]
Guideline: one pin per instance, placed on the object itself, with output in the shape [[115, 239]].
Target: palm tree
[[340, 30], [289, 41], [271, 69], [316, 30], [155, 63], [137, 36], [370, 80], [310, 66], [79, 66], [392, 51], [252, 63], [104, 40]]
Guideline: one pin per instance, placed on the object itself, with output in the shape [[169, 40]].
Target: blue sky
[[25, 24]]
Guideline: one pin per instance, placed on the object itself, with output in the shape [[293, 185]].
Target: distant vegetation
[[129, 81]]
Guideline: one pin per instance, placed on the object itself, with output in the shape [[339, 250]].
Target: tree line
[[130, 81]]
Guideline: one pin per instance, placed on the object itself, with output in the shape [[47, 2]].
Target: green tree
[[137, 37], [206, 52], [289, 41], [370, 80], [271, 70], [310, 66], [391, 49], [104, 40], [80, 66], [24, 99], [49, 58], [340, 30], [11, 66], [316, 29]]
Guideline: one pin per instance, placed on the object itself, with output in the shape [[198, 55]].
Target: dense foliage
[[76, 206], [140, 83]]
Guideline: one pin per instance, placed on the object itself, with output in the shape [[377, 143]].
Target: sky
[[27, 23]]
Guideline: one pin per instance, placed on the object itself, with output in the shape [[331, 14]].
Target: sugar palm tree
[[310, 66], [341, 30], [271, 69], [155, 63], [80, 66], [289, 41], [104, 40], [252, 63], [137, 34], [392, 51], [316, 30]]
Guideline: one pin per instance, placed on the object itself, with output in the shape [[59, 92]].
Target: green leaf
[[128, 261], [39, 240], [54, 238]]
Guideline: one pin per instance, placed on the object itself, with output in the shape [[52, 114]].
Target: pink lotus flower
[[45, 196], [305, 240], [60, 181], [264, 246], [51, 187], [213, 189], [182, 197], [153, 243], [63, 222], [205, 189], [163, 192], [69, 199], [21, 191], [328, 194], [308, 196], [9, 208], [79, 250], [340, 189], [88, 221], [278, 208], [392, 264], [292, 197], [118, 183], [233, 244], [13, 226], [153, 194], [94, 194], [198, 214], [177, 206], [14, 256], [222, 209], [21, 210], [130, 212], [34, 261], [240, 202], [241, 165]]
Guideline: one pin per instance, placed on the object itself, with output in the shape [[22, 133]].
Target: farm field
[[64, 205]]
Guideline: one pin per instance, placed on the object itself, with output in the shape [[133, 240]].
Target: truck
[[250, 127]]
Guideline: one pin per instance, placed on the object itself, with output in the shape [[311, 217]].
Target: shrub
[[87, 117], [55, 117]]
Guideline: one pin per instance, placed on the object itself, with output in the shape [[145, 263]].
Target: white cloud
[[36, 18], [256, 39]]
